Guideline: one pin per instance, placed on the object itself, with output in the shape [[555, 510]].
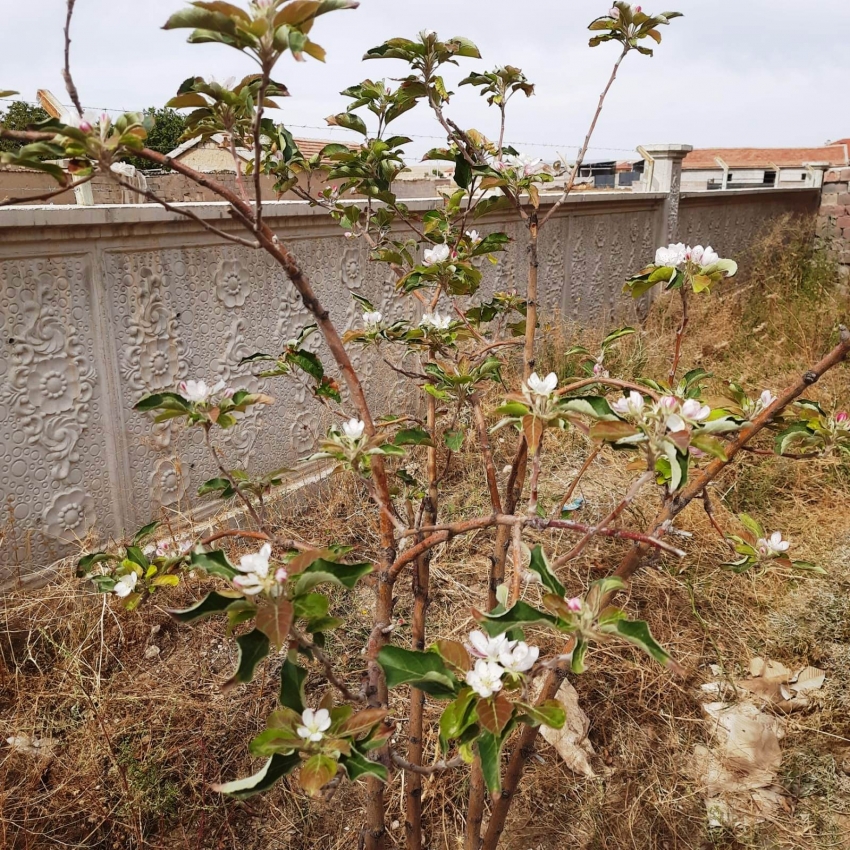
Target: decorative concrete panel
[[100, 306]]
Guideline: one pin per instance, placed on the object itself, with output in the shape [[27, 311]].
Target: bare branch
[[66, 71], [583, 152]]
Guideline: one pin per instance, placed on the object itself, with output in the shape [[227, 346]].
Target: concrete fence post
[[666, 176]]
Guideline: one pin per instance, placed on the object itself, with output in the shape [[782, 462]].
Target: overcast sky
[[765, 73]]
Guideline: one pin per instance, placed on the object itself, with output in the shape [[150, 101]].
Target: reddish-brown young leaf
[[316, 772], [494, 713], [363, 721], [454, 654], [533, 428], [612, 431], [303, 560], [274, 621]]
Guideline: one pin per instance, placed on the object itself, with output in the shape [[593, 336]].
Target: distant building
[[747, 168], [213, 155]]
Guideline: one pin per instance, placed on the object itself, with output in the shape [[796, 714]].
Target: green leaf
[[454, 439], [213, 603], [808, 566], [145, 531], [520, 614], [328, 572], [349, 121], [88, 561], [253, 648], [457, 717], [637, 632], [292, 679], [710, 445], [413, 437], [540, 565], [135, 554], [311, 605], [357, 764], [490, 753], [276, 767], [423, 670], [549, 713], [753, 526], [213, 563], [594, 406]]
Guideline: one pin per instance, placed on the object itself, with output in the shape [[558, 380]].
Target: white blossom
[[125, 585], [520, 659], [437, 254], [435, 320], [199, 391], [694, 411], [631, 406], [426, 34], [766, 399], [372, 318], [473, 236], [523, 164], [256, 569], [314, 724], [672, 255], [703, 256], [489, 648], [353, 429], [485, 678], [773, 546], [542, 386]]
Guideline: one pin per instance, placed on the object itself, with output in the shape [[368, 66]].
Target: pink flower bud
[[636, 10], [842, 416], [85, 126], [574, 604], [281, 575]]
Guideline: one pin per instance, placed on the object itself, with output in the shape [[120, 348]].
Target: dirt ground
[[119, 728]]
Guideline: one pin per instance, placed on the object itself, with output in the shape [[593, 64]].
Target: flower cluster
[[495, 657], [372, 319], [678, 255], [521, 165], [669, 411], [255, 569]]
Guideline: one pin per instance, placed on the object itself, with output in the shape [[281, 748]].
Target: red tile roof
[[310, 147], [705, 158]]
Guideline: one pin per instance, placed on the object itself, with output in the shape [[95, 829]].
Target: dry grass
[[137, 735]]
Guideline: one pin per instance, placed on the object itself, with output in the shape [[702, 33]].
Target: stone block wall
[[834, 216]]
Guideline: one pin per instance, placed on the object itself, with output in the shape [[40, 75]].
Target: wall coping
[[738, 193], [63, 215]]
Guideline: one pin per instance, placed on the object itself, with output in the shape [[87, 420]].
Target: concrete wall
[[102, 305], [730, 221]]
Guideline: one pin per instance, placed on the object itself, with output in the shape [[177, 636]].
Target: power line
[[330, 129]]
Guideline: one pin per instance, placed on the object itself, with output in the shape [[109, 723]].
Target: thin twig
[[66, 70], [583, 152]]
